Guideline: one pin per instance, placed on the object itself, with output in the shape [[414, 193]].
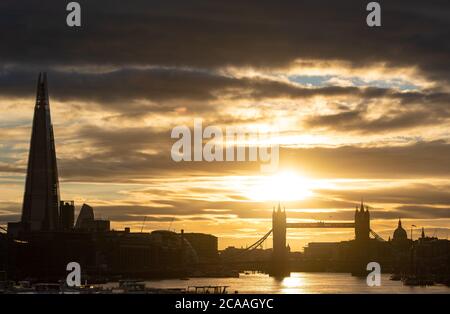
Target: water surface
[[300, 283]]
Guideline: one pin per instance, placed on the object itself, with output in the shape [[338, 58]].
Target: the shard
[[41, 200]]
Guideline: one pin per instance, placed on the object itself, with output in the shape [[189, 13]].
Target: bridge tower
[[362, 240], [362, 223], [279, 255]]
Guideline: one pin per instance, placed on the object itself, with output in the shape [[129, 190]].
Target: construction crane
[[170, 225], [143, 223]]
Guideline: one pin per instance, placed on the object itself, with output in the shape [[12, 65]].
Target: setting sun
[[283, 186]]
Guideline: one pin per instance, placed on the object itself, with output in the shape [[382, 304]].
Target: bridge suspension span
[[253, 246], [376, 236]]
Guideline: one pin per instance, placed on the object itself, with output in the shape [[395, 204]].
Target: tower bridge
[[361, 226]]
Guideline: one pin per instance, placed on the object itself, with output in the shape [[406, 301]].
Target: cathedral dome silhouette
[[400, 233]]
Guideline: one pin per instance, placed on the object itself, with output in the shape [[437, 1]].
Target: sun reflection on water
[[294, 284]]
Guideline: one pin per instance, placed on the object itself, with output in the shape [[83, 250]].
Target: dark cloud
[[409, 193], [342, 210], [149, 56], [158, 84], [4, 219], [11, 168], [164, 84], [423, 159], [219, 33], [121, 90], [165, 90], [394, 119], [427, 199], [121, 156], [424, 212]]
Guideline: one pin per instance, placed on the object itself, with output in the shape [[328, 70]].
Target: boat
[[415, 281], [207, 290]]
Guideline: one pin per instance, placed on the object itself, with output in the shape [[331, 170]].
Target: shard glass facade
[[41, 199]]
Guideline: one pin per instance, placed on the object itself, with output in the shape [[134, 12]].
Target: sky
[[361, 113]]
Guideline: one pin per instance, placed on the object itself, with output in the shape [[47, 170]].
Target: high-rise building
[[67, 214], [41, 198], [87, 222], [85, 218]]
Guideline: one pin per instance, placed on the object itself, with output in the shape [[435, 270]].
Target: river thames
[[299, 283]]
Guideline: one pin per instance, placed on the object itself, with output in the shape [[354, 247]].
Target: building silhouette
[[205, 246], [400, 233], [41, 199], [47, 238], [280, 253], [66, 214], [362, 223]]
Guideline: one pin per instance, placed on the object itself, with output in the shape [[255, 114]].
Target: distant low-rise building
[[321, 250], [205, 245]]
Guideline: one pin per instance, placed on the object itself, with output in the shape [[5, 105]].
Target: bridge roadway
[[320, 225]]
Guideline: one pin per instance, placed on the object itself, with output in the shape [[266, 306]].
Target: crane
[[170, 225], [143, 223]]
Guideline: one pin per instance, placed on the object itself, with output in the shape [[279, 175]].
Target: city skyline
[[354, 124]]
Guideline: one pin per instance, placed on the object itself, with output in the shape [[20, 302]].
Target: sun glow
[[283, 186]]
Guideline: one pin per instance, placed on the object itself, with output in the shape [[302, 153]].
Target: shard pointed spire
[[41, 198], [42, 91]]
